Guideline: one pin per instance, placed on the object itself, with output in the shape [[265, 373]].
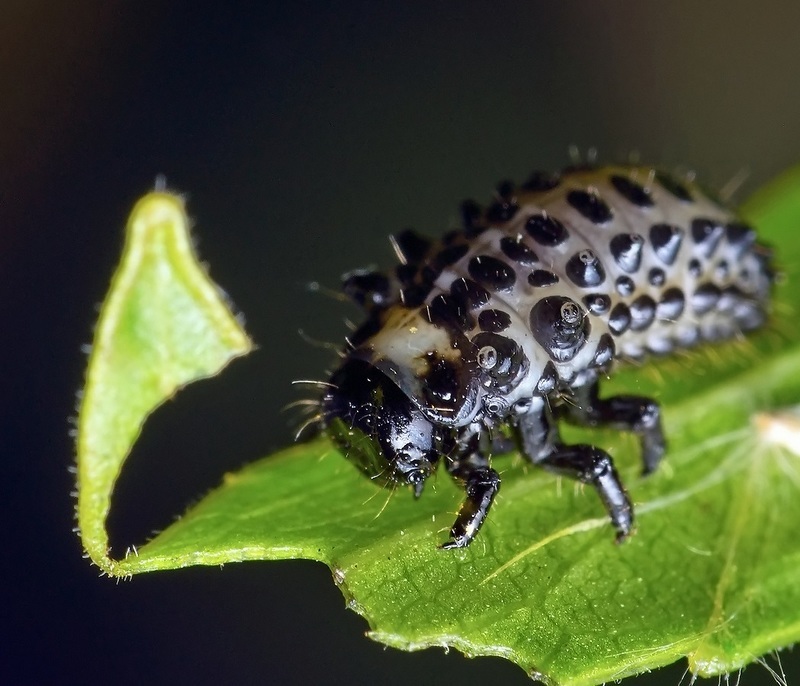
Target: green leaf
[[711, 574], [163, 324]]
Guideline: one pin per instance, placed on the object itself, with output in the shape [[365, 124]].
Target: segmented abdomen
[[654, 262]]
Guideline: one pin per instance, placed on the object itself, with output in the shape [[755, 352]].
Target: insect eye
[[487, 357], [570, 313]]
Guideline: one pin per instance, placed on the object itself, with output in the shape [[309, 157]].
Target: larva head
[[378, 427]]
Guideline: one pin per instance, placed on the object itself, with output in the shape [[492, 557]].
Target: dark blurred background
[[303, 134]]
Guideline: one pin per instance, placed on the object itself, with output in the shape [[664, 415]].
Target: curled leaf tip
[[163, 324]]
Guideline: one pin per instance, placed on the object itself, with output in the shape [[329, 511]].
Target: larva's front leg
[[481, 484]]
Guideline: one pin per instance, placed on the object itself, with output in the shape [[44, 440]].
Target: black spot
[[585, 270], [620, 319], [605, 352], [472, 218], [547, 382], [643, 312], [505, 207], [558, 324], [541, 181], [505, 190], [671, 305], [494, 321], [508, 361], [597, 303], [666, 240], [492, 273], [740, 236], [705, 298], [656, 277], [695, 268], [519, 252], [625, 286], [450, 311], [450, 255], [470, 293], [722, 269], [676, 188], [541, 278], [590, 205], [405, 274], [411, 246], [414, 295], [368, 289], [546, 230], [631, 191], [626, 248], [707, 234]]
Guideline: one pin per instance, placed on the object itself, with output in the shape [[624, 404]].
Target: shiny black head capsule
[[378, 427]]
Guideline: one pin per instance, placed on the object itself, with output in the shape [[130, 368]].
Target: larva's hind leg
[[585, 463], [594, 466], [633, 413]]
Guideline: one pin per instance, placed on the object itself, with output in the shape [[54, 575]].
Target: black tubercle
[[591, 206], [411, 246], [546, 230], [367, 288], [674, 187], [624, 285], [540, 181], [450, 310], [541, 278], [492, 272], [505, 207], [666, 240], [643, 312], [471, 293], [585, 269], [516, 250], [626, 249], [631, 191], [501, 360], [707, 234], [560, 326], [472, 218]]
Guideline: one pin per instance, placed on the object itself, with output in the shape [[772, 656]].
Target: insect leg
[[587, 464], [593, 466], [481, 484], [633, 413]]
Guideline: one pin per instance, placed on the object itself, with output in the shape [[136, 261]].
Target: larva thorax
[[529, 301]]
